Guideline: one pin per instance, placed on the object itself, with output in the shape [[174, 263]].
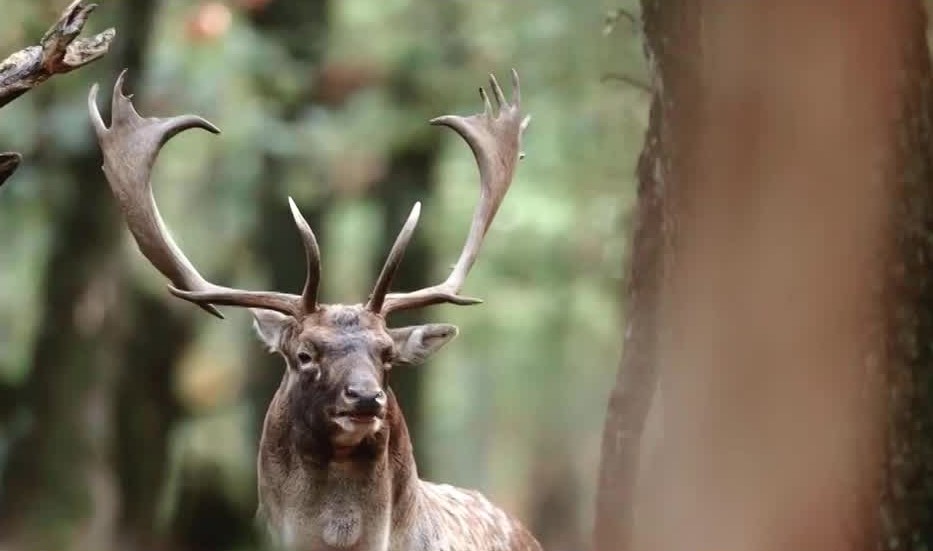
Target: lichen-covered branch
[[60, 51]]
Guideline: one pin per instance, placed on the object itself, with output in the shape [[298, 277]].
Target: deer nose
[[363, 397]]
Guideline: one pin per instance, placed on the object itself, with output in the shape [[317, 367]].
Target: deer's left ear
[[417, 342]]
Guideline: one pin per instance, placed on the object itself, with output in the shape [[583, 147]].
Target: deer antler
[[495, 138], [130, 147]]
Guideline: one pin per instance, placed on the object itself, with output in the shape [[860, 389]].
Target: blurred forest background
[[127, 415]]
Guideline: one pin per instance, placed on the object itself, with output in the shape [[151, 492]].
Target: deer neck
[[336, 498]]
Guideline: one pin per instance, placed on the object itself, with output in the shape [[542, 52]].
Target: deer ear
[[417, 342], [269, 326]]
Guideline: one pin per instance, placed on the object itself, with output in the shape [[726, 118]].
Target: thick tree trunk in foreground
[[908, 513], [779, 311]]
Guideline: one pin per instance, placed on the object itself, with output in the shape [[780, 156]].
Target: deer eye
[[387, 355], [308, 364]]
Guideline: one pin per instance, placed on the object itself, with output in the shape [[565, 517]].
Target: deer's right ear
[[269, 326]]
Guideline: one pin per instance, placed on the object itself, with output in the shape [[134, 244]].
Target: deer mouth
[[360, 415], [356, 419], [353, 426]]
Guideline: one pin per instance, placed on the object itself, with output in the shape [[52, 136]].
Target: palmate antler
[[495, 137], [130, 147], [132, 143]]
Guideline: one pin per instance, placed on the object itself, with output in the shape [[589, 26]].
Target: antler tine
[[290, 305], [391, 265], [130, 147], [313, 257], [495, 140]]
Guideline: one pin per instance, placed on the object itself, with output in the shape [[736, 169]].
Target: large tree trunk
[[60, 489], [778, 312], [908, 491]]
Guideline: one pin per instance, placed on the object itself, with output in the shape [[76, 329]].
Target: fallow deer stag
[[336, 469]]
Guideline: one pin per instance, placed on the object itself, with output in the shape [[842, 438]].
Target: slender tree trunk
[[59, 488], [676, 60], [637, 376], [411, 177], [147, 410], [302, 30]]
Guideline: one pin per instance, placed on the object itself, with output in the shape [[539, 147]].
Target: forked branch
[[60, 51], [8, 165]]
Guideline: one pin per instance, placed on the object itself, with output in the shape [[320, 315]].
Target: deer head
[[338, 356]]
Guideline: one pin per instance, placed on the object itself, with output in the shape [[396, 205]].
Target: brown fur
[[316, 496]]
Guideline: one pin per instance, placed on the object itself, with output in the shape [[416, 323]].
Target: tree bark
[[637, 376], [668, 28], [9, 162], [60, 51], [785, 169], [907, 515]]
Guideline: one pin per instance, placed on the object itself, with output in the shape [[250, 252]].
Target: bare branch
[[8, 164], [614, 16], [60, 51], [630, 80]]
